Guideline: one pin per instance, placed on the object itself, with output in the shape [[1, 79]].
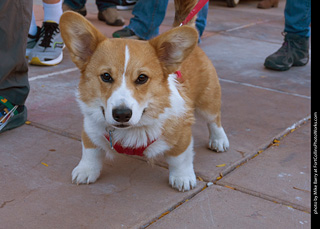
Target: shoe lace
[[47, 32], [285, 45], [5, 115]]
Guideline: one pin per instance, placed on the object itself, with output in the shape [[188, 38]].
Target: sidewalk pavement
[[263, 181]]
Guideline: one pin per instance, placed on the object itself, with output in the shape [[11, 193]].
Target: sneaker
[[32, 41], [11, 116], [82, 11], [293, 52], [125, 33], [48, 49], [111, 17], [127, 5]]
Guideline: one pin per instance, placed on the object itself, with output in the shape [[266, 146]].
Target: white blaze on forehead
[[122, 95], [126, 61]]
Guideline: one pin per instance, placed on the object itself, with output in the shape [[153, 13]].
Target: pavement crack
[[6, 202], [264, 196], [55, 131]]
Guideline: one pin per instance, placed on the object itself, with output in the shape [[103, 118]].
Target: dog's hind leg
[[218, 140], [208, 106]]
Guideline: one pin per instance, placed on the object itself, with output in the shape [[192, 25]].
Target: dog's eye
[[106, 77], [142, 79]]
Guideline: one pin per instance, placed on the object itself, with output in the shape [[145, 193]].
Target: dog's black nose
[[122, 114]]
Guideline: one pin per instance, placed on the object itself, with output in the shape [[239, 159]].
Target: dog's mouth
[[122, 126]]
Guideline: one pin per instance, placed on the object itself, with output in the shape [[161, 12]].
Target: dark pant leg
[[14, 26]]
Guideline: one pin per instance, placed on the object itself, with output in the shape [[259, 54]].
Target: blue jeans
[[298, 17], [201, 20], [101, 4], [149, 14]]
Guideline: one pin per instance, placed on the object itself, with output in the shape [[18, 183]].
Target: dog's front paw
[[183, 183], [85, 174]]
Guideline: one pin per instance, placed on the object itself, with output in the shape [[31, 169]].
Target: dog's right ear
[[80, 36]]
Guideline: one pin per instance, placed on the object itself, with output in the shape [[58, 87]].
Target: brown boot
[[266, 4], [111, 17]]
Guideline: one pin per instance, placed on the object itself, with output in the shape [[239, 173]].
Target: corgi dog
[[139, 98]]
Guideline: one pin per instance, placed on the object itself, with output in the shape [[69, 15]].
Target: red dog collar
[[128, 150]]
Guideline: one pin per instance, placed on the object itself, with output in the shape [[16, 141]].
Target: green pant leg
[[14, 26]]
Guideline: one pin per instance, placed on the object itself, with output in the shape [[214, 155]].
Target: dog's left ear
[[173, 46]]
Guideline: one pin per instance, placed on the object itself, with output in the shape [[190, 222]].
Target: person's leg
[[14, 85], [298, 17], [52, 10], [75, 4], [295, 48], [14, 27], [33, 35], [201, 20], [148, 16], [48, 49], [33, 26], [104, 4], [109, 13]]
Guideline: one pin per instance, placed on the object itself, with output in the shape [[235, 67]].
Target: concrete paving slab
[[246, 14], [52, 102], [262, 30], [281, 173], [36, 189], [221, 207], [241, 60]]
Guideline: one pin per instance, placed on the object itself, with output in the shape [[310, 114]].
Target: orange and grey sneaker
[[48, 49], [11, 116]]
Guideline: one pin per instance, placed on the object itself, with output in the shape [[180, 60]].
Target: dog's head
[[124, 80]]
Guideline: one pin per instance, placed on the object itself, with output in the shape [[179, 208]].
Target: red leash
[[194, 11]]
